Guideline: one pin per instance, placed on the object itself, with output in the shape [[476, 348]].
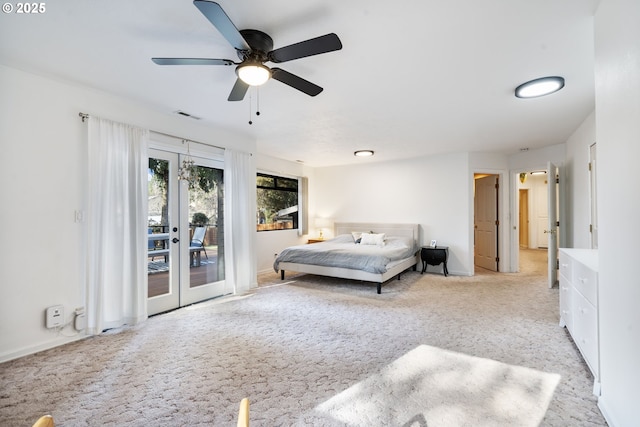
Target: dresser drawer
[[566, 265], [585, 325], [566, 306], [585, 281]]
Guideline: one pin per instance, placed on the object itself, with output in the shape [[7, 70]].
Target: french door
[[185, 262]]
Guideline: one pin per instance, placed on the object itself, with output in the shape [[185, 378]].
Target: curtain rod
[[85, 116]]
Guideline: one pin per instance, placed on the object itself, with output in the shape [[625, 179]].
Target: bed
[[344, 258]]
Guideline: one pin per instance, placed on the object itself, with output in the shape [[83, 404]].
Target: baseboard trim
[[26, 351], [602, 405]]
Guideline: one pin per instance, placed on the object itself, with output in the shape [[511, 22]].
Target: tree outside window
[[277, 201]]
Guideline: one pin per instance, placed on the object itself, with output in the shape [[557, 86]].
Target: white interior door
[[593, 193], [486, 222], [552, 227]]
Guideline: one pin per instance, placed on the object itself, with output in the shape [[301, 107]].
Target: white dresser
[[579, 304]]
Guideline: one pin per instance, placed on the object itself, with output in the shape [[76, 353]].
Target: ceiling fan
[[254, 48]]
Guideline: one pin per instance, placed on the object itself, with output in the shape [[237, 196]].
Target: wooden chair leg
[[243, 414], [45, 421]]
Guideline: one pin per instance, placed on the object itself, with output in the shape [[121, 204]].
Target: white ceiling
[[414, 77]]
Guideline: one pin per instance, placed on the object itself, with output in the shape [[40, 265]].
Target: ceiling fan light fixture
[[363, 153], [253, 74], [539, 87]]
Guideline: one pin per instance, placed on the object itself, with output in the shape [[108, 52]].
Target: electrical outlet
[[54, 316]]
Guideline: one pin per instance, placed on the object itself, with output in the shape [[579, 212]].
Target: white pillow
[[372, 239]]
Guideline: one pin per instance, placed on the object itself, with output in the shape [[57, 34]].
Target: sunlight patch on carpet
[[435, 387]]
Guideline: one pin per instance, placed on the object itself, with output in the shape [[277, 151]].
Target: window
[[277, 203]]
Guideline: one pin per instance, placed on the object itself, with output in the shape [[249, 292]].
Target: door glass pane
[[206, 225], [158, 228]]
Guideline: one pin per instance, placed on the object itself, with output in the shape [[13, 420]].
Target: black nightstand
[[435, 255]]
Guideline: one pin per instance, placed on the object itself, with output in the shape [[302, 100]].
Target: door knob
[[175, 240]]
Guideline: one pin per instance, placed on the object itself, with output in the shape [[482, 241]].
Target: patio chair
[[152, 244], [197, 241]]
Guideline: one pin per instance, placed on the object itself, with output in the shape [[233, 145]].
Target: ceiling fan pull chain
[[250, 122], [258, 101]]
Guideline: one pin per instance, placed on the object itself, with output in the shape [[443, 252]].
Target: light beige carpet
[[296, 348], [435, 387]]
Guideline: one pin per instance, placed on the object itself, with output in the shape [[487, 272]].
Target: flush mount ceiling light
[[540, 87], [363, 153], [253, 73]]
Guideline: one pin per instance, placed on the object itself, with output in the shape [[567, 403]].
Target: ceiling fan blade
[[191, 61], [238, 91], [295, 82], [322, 44], [214, 13]]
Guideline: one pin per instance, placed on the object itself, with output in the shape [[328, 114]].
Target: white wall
[[431, 191], [42, 177], [577, 176], [537, 159], [617, 59]]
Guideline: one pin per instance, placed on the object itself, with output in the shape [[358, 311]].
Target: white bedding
[[409, 233], [343, 252]]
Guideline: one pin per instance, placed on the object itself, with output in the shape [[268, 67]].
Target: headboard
[[390, 229]]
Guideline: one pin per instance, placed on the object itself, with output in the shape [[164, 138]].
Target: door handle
[[175, 240], [550, 231]]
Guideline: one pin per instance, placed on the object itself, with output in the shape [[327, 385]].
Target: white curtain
[[117, 225], [239, 221]]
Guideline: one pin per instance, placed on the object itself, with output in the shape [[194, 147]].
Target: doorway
[[523, 217], [185, 262], [532, 217], [539, 197], [486, 221]]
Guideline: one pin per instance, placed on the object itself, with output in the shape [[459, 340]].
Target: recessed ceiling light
[[540, 87], [363, 153]]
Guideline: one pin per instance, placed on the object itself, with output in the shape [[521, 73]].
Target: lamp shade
[[322, 222], [253, 73]]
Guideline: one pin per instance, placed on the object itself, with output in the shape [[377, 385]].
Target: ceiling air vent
[[182, 113]]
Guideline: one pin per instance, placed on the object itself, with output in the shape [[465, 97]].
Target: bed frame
[[406, 230]]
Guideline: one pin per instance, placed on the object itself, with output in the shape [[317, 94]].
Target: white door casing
[[552, 228], [486, 222]]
